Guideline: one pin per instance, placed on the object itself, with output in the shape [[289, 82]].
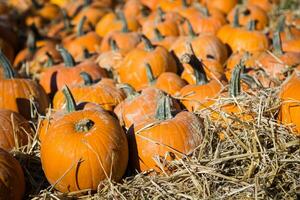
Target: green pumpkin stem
[[191, 31], [281, 24], [149, 72], [163, 110], [31, 42], [158, 35], [9, 73], [277, 45], [191, 59], [66, 20], [123, 20], [50, 61], [251, 25], [129, 90], [235, 82], [67, 57], [184, 3], [80, 30], [160, 15], [87, 78], [70, 101], [236, 22], [205, 12], [148, 45], [113, 45]]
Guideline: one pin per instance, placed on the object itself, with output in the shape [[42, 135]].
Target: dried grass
[[259, 159]]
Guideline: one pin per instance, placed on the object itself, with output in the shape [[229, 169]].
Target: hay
[[259, 159]]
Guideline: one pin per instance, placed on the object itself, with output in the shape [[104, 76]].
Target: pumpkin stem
[[184, 3], [251, 25], [9, 73], [205, 12], [191, 59], [67, 57], [31, 42], [149, 72], [128, 89], [277, 45], [50, 61], [148, 45], [191, 31], [236, 22], [70, 101], [36, 4], [113, 45], [163, 110], [281, 24], [87, 78], [123, 20], [66, 20], [235, 82], [158, 35], [160, 15], [84, 125], [80, 31]]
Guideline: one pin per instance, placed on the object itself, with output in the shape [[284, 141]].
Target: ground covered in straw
[[256, 159]]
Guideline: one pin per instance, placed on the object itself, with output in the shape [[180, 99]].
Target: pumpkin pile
[[101, 92]]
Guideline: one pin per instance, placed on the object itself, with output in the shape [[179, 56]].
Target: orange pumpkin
[[20, 95], [12, 181], [132, 69], [82, 131], [224, 6], [163, 139]]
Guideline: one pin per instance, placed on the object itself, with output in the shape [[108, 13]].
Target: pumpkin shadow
[[23, 106], [53, 85]]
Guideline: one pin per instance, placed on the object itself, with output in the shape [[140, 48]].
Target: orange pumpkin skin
[[13, 128], [12, 182], [291, 45], [170, 83], [109, 23], [132, 69], [248, 13], [266, 5], [198, 97], [89, 41], [19, 100], [103, 93], [126, 41], [128, 113], [178, 136], [92, 162], [224, 6], [290, 107], [56, 77]]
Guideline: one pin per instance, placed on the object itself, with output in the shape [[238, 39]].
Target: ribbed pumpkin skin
[[132, 69], [86, 156], [15, 95], [12, 183], [290, 108], [56, 77], [179, 135], [141, 108], [104, 94], [170, 83], [13, 124]]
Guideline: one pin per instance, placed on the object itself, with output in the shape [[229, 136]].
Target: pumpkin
[[124, 39], [127, 111], [248, 13], [103, 93], [14, 130], [266, 5], [163, 139], [82, 131], [56, 77], [198, 96], [170, 83], [204, 45], [224, 6], [290, 107], [132, 68], [12, 181], [18, 94], [113, 22]]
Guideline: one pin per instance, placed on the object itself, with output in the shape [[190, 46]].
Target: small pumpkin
[[170, 136], [82, 131]]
